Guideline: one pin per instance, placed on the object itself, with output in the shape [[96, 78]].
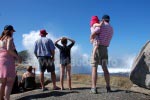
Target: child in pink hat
[[95, 25]]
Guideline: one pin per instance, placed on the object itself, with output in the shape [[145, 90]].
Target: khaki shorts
[[100, 57]]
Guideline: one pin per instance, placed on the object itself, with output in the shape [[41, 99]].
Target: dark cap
[[43, 32], [106, 17], [9, 27]]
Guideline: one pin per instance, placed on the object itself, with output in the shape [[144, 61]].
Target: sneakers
[[93, 91]]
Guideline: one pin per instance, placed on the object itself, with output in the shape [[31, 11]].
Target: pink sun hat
[[94, 20]]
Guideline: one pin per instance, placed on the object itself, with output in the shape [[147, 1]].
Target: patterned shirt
[[105, 34], [43, 47]]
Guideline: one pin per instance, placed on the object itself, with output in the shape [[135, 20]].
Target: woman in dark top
[[65, 59]]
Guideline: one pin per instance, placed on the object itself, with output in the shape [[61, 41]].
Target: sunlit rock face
[[140, 73]]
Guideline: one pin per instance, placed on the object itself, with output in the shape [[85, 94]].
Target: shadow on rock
[[117, 90], [47, 94], [82, 88]]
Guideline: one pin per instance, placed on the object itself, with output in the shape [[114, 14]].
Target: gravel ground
[[80, 94]]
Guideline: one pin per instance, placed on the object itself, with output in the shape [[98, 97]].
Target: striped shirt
[[105, 35]]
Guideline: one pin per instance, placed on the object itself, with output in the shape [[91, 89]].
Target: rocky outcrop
[[138, 89], [140, 73]]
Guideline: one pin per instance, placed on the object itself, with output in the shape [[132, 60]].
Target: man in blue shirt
[[44, 51]]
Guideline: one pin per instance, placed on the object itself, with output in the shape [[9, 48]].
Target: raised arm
[[57, 45], [57, 41], [71, 40], [98, 24]]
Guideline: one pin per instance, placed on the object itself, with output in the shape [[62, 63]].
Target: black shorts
[[46, 63], [65, 61]]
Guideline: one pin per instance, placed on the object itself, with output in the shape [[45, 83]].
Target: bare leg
[[94, 76], [68, 70], [42, 80], [94, 50], [106, 73], [62, 72], [53, 77], [8, 88], [94, 69], [2, 88]]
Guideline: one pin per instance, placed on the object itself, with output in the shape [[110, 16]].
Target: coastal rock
[[140, 73], [138, 89]]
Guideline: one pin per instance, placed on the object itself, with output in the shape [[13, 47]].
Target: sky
[[129, 19]]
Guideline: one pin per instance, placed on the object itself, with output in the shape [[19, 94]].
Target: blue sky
[[129, 18]]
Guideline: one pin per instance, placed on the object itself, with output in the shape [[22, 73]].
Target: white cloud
[[29, 39], [122, 64]]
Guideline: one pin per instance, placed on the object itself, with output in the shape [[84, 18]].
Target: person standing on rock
[[101, 55], [65, 59], [45, 52], [7, 62]]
